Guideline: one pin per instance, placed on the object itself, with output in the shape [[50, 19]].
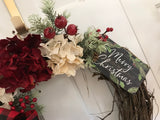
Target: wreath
[[51, 47]]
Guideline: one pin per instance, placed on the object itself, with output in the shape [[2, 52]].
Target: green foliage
[[111, 45], [114, 79], [31, 95], [133, 90], [48, 9], [38, 24], [66, 14], [139, 77], [143, 68], [92, 46]]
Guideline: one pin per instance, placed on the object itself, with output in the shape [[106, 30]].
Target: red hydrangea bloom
[[21, 63]]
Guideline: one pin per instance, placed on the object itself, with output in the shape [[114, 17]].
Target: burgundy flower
[[21, 63]]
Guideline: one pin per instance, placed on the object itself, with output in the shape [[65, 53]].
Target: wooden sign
[[121, 66]]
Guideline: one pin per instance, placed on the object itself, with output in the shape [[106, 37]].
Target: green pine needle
[[31, 95], [66, 14], [48, 9], [91, 46], [38, 24]]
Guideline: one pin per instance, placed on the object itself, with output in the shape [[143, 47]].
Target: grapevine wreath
[[52, 47]]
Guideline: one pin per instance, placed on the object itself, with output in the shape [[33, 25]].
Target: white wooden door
[[136, 26]]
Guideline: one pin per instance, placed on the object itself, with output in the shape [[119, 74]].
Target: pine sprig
[[66, 14], [31, 95], [38, 24], [92, 46], [48, 9]]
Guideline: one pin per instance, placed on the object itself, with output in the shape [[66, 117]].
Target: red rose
[[21, 63]]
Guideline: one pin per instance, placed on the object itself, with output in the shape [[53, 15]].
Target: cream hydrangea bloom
[[64, 56], [5, 98]]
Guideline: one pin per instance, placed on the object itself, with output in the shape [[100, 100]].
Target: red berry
[[49, 33], [32, 106], [13, 108], [106, 37], [100, 37], [22, 111], [23, 105], [98, 30], [34, 100], [72, 29], [11, 103], [20, 99], [60, 22], [111, 29], [108, 29], [26, 97]]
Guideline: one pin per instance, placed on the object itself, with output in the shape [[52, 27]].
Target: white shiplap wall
[[136, 26]]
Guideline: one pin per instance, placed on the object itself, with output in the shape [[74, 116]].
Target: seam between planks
[[134, 32]]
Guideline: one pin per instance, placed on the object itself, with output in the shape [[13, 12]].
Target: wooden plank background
[[136, 26]]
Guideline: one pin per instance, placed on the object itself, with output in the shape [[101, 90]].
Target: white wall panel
[[136, 26]]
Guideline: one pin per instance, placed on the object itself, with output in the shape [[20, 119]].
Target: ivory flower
[[64, 57], [5, 98]]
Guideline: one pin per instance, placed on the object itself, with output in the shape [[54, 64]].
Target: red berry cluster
[[61, 23], [103, 36], [23, 103]]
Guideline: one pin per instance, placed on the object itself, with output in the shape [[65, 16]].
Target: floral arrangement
[[51, 48]]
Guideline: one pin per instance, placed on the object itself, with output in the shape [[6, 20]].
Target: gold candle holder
[[16, 18]]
